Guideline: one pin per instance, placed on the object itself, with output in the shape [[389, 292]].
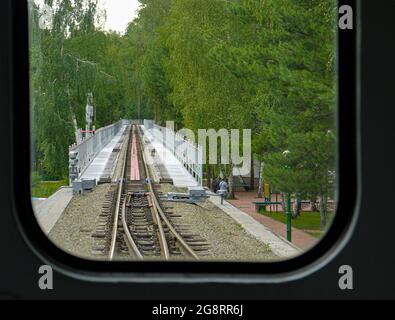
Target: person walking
[[215, 185], [223, 188]]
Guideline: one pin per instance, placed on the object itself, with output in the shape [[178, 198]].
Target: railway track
[[134, 224]]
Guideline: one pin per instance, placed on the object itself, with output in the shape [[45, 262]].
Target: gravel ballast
[[73, 231], [228, 240]]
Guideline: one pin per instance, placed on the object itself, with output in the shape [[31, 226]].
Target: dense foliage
[[268, 65]]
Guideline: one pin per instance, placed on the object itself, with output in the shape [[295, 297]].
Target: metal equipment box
[[88, 184], [77, 186], [197, 191], [84, 185]]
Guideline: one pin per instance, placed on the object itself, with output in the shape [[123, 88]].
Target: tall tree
[[297, 100], [66, 49]]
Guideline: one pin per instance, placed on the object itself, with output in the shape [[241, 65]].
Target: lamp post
[[288, 207], [288, 216]]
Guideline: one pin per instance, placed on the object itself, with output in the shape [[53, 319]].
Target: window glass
[[183, 129]]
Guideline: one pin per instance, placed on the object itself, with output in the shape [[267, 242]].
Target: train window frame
[[257, 272]]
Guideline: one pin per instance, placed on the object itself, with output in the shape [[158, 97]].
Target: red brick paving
[[244, 202]]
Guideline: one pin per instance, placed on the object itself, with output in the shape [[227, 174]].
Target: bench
[[260, 206], [245, 186]]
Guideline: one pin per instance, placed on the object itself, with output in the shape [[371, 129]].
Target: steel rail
[[154, 212], [179, 238], [129, 238], [118, 204], [161, 234]]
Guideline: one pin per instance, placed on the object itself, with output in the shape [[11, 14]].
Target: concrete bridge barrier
[[81, 155], [188, 153]]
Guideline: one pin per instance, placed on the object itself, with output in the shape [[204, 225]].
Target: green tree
[[66, 53], [297, 100]]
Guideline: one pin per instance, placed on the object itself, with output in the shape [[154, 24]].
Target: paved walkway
[[244, 203], [96, 169], [181, 177], [279, 246], [49, 211]]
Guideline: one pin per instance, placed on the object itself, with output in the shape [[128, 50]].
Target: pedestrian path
[[176, 171], [278, 245], [299, 238], [48, 211]]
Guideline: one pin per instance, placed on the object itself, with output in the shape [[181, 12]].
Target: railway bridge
[[118, 204]]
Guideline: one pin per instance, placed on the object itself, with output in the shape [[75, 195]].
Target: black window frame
[[268, 272]]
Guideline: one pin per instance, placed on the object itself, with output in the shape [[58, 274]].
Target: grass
[[308, 222], [44, 189]]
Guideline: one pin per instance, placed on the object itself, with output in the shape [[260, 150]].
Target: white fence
[[190, 154], [187, 152], [81, 155]]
